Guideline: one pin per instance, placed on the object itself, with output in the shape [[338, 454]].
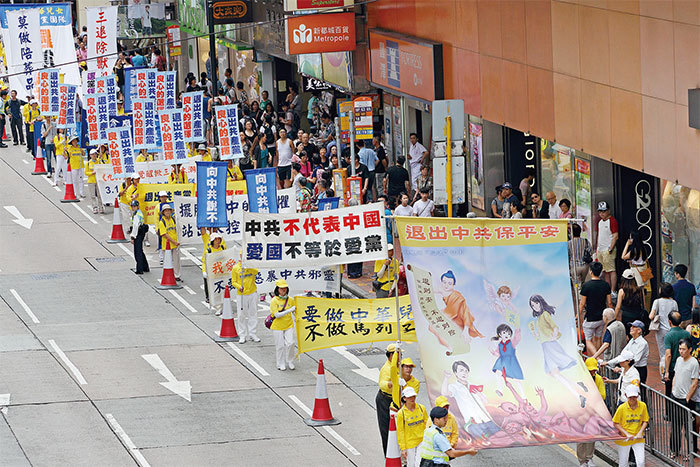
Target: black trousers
[[17, 131], [680, 422], [383, 403], [354, 269], [27, 126], [139, 256]]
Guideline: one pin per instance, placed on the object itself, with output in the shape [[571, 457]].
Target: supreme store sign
[[311, 34]]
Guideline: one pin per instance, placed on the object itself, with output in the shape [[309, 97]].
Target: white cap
[[409, 392], [390, 247], [632, 391], [93, 151], [214, 236], [136, 177], [165, 206], [625, 356], [162, 193], [33, 101]]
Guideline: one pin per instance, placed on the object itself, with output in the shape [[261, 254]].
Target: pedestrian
[[406, 378], [685, 385], [424, 207], [451, 428], [59, 142], [606, 249], [384, 398], [213, 242], [284, 149], [243, 280], [282, 326], [671, 351], [95, 201], [162, 200], [168, 233], [417, 156], [631, 419], [497, 203], [516, 211], [368, 158], [635, 254], [435, 448], [397, 180], [614, 337], [585, 451], [13, 109], [595, 298], [539, 209], [565, 208], [48, 133], [381, 164], [629, 376], [509, 198], [638, 347], [684, 293], [385, 271], [75, 158], [630, 300], [553, 209], [581, 255], [424, 181], [403, 209], [658, 317], [138, 232], [411, 421]]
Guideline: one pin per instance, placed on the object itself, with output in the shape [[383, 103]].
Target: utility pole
[[212, 50]]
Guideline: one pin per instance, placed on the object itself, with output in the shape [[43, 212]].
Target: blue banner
[[262, 189], [326, 204], [54, 95], [211, 194], [115, 121], [53, 14]]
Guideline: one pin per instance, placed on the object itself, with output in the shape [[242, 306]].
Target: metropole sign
[[310, 34]]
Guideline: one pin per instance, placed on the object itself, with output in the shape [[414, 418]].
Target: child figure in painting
[[507, 363], [547, 332], [457, 310], [501, 301]]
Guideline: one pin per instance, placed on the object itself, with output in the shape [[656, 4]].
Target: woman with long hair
[[636, 256], [630, 301]]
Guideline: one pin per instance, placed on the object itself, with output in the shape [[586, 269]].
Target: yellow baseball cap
[[441, 402], [591, 364], [281, 283], [408, 362], [391, 348]]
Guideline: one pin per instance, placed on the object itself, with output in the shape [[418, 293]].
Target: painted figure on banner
[[501, 302], [507, 364]]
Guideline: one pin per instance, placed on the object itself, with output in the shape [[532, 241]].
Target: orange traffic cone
[[228, 326], [168, 279], [322, 409], [39, 167], [117, 228], [69, 196], [393, 453]]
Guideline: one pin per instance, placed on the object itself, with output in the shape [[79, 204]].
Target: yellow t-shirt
[[104, 158], [283, 322], [209, 248], [206, 157], [75, 155], [389, 272], [129, 193], [244, 277], [451, 430], [235, 171], [600, 385], [142, 158], [90, 172], [410, 426], [385, 378], [631, 420], [177, 178], [167, 226], [412, 383], [60, 143]]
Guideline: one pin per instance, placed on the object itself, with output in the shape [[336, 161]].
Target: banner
[[220, 264], [172, 136], [494, 317], [102, 38], [131, 87], [262, 189], [25, 49], [342, 236], [107, 85], [145, 128], [236, 205], [330, 322], [66, 110], [114, 143], [47, 92], [228, 131], [150, 203], [127, 151], [211, 194], [193, 116], [165, 90], [97, 118]]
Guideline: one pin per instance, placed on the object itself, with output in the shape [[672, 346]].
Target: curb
[[606, 453], [355, 290]]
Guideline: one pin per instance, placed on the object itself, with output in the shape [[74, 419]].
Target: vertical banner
[[160, 91], [229, 136], [173, 33], [262, 190], [107, 85], [362, 113], [193, 116], [476, 162], [145, 124], [211, 194], [42, 91], [66, 110], [127, 150], [142, 84], [172, 136], [54, 98], [93, 129], [170, 89], [131, 87], [102, 38], [89, 78], [25, 46], [494, 316], [151, 82], [115, 152]]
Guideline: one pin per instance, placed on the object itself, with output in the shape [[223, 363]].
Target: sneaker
[[178, 279], [291, 366], [242, 340], [255, 338], [147, 243], [590, 463], [218, 313], [281, 368]]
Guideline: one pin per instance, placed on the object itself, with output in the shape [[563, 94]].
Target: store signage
[[523, 154], [313, 84], [408, 65], [310, 34], [174, 40], [231, 11], [362, 113], [294, 5]]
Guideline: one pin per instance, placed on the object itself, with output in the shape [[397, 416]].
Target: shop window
[[680, 230]]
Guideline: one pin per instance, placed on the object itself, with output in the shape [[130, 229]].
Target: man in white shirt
[[146, 21], [685, 385], [554, 209], [424, 207], [639, 347], [417, 156], [606, 250]]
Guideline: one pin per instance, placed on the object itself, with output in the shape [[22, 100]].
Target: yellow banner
[[456, 232], [329, 322]]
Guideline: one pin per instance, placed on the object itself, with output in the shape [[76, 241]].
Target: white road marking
[[204, 303], [35, 320], [20, 219], [189, 290], [129, 444], [57, 188], [121, 245], [191, 257], [250, 361], [74, 369], [371, 374], [182, 300], [201, 286], [181, 388], [4, 402], [89, 217], [25, 161], [330, 430], [106, 220]]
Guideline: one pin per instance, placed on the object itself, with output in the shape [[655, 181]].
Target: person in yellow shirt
[[212, 243], [631, 419], [59, 142], [585, 451], [407, 379], [386, 272], [282, 326], [168, 232], [204, 152], [75, 159], [120, 107], [234, 172], [411, 421], [103, 155], [124, 198], [144, 156], [451, 429], [191, 149], [383, 400], [95, 200], [177, 174], [28, 116], [243, 280]]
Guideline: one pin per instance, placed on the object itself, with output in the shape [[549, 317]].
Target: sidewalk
[[362, 286]]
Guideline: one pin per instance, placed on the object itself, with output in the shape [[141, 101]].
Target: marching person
[[162, 199], [585, 451], [435, 448], [204, 152], [233, 173], [411, 421], [406, 378], [177, 174], [282, 326], [138, 231], [97, 206], [243, 280], [383, 399], [59, 142], [168, 232], [75, 159], [631, 419], [386, 273], [451, 428], [212, 243]]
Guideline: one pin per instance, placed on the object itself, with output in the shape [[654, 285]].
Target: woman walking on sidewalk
[[283, 325]]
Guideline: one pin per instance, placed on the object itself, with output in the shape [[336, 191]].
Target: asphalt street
[[96, 365]]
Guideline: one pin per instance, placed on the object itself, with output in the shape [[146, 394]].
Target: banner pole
[[574, 281], [396, 291], [352, 145], [448, 151]]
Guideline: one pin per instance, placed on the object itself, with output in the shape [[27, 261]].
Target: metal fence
[[673, 428]]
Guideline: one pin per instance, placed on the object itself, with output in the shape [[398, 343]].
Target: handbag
[[655, 323], [646, 274], [270, 318], [377, 285]]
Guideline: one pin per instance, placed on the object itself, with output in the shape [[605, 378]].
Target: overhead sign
[[453, 108], [295, 5], [173, 33], [408, 65], [313, 84], [310, 34], [232, 11], [362, 114]]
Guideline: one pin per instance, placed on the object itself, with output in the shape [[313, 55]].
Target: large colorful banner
[[126, 157], [172, 136], [495, 322], [228, 132], [300, 279], [328, 322], [166, 82], [342, 236], [211, 195], [236, 205], [66, 109], [102, 38], [24, 38], [145, 128], [193, 116]]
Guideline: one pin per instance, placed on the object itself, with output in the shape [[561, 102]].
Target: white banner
[[102, 38], [108, 85], [312, 278], [25, 56], [193, 116], [338, 236], [236, 205], [228, 131]]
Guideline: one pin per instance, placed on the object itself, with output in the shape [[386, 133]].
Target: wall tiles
[[625, 55], [567, 110], [595, 118], [659, 141], [540, 84], [565, 38], [626, 126]]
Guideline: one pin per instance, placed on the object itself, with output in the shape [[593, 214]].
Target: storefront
[[680, 230]]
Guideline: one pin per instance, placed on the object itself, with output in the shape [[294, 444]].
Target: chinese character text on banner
[[66, 110], [25, 49], [262, 189], [211, 194], [108, 85], [102, 38], [145, 130], [342, 236], [172, 136], [47, 91], [193, 116], [115, 153], [229, 136]]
